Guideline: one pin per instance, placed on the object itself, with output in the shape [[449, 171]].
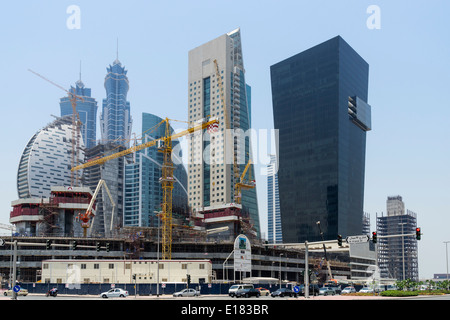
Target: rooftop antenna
[[117, 50], [80, 70]]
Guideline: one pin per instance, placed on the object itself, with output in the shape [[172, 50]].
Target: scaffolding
[[397, 256]]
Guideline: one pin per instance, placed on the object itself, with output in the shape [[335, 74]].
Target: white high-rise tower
[[211, 178]]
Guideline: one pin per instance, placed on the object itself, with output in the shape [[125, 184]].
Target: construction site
[[70, 224]]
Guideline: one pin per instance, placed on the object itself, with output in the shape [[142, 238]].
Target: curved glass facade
[[46, 160]]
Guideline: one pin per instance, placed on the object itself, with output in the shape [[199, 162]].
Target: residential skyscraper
[[87, 111], [273, 203], [320, 109], [115, 118], [211, 177], [143, 191]]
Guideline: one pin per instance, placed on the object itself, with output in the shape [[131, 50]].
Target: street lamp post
[[157, 257], [280, 268], [403, 250], [446, 259]]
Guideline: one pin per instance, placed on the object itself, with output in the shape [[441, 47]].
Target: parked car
[[326, 291], [236, 287], [313, 290], [366, 290], [187, 293], [264, 291], [22, 292], [348, 290], [249, 292], [284, 292], [116, 292], [337, 289]]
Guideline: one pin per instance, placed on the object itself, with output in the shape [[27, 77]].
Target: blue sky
[[407, 150]]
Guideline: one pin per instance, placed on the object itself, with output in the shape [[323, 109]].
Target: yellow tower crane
[[167, 180], [76, 124], [244, 184]]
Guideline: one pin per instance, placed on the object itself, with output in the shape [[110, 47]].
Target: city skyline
[[407, 151]]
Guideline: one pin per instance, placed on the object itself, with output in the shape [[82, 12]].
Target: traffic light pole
[[14, 293], [306, 275]]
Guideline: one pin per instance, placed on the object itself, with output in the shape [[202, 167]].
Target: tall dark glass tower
[[87, 111], [115, 119], [320, 109]]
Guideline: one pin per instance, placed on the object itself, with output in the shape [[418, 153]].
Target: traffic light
[[418, 233], [98, 246], [74, 245], [188, 279], [48, 244], [107, 247], [374, 237], [339, 239]]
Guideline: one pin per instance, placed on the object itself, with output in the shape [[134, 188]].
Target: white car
[[22, 292], [117, 292], [366, 290], [349, 290], [187, 293]]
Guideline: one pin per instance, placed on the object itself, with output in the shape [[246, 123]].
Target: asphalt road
[[225, 297]]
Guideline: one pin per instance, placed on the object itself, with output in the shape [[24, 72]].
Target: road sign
[[16, 289], [2, 242], [357, 239], [242, 254], [296, 289]]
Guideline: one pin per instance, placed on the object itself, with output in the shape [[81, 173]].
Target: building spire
[[117, 53], [80, 83]]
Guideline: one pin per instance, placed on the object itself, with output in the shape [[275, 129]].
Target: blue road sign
[[296, 289], [16, 289]]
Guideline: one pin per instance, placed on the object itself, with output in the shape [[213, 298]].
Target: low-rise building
[[126, 271]]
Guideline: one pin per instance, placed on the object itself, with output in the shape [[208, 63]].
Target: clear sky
[[407, 151]]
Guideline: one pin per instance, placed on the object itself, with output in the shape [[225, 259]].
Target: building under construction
[[397, 256]]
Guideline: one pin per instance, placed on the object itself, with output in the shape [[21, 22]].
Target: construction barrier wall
[[141, 289]]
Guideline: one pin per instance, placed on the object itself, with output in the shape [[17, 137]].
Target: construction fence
[[138, 289]]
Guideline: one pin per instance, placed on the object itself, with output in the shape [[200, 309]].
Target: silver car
[[325, 291], [117, 292], [349, 290], [187, 293]]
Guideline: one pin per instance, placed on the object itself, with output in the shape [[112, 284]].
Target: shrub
[[398, 293]]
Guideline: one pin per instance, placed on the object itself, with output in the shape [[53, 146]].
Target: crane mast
[[167, 180]]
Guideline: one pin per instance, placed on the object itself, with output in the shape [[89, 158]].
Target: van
[[236, 287]]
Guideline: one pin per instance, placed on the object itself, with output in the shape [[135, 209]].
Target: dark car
[[282, 292], [313, 290], [250, 292]]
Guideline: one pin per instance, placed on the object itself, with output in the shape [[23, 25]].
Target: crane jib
[[142, 146]]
